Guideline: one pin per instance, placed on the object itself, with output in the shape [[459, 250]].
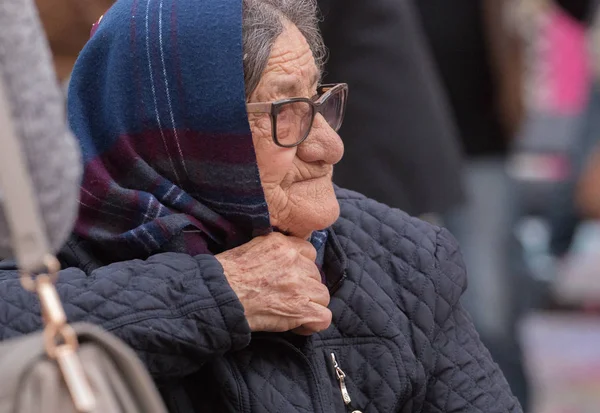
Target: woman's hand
[[278, 283]]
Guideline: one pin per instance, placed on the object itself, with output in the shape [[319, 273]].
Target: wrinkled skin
[[279, 285], [275, 277], [296, 181]]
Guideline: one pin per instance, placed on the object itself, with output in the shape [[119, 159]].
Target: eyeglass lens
[[333, 109], [294, 119], [293, 122]]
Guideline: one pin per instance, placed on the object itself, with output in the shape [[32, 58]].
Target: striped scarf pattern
[[157, 103]]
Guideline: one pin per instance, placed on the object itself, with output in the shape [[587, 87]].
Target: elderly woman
[[212, 240]]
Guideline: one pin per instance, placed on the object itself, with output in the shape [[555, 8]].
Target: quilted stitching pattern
[[419, 267], [286, 384], [398, 332], [174, 310]]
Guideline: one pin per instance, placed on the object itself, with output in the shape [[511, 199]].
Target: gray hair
[[263, 22]]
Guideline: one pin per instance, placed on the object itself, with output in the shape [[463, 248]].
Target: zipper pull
[[341, 378]]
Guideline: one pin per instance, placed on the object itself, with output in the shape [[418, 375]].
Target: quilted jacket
[[399, 342]]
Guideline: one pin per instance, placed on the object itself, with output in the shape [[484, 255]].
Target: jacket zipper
[[341, 376]]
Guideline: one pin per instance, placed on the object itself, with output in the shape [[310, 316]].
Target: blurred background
[[482, 116]]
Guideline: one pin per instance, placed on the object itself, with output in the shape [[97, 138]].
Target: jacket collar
[[335, 263]]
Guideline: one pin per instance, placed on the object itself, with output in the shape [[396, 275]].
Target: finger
[[308, 269], [304, 247], [319, 318], [317, 293]]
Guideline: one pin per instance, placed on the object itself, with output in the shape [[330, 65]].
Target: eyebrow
[[288, 86]]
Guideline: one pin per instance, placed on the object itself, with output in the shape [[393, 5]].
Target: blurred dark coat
[[401, 143], [461, 47]]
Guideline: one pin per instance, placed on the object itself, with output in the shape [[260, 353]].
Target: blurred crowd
[[494, 135], [482, 116]]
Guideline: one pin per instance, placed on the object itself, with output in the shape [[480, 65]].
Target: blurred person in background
[[571, 202], [485, 99], [585, 185], [401, 142], [67, 24], [574, 200], [479, 63]]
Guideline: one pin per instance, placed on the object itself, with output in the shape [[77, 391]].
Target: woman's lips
[[309, 180], [314, 179]]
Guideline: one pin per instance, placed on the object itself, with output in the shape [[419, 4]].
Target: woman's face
[[296, 181]]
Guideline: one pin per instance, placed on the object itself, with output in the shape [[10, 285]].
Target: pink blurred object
[[568, 71]]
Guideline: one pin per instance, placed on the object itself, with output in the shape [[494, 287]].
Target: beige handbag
[[63, 369]]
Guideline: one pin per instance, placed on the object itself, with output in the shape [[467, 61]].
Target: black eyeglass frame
[[324, 92]]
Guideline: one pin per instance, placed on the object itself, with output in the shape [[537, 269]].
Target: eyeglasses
[[292, 119]]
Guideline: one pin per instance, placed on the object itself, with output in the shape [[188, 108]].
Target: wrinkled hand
[[278, 283]]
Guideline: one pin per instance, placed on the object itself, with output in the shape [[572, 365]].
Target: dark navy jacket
[[399, 334]]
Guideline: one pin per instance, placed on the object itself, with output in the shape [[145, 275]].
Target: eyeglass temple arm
[[259, 107]]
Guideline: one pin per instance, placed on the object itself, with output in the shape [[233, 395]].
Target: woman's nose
[[322, 145]]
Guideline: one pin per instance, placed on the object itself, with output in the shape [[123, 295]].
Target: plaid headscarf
[[157, 102]]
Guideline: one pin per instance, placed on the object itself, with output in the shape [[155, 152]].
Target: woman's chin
[[311, 206], [315, 217]]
